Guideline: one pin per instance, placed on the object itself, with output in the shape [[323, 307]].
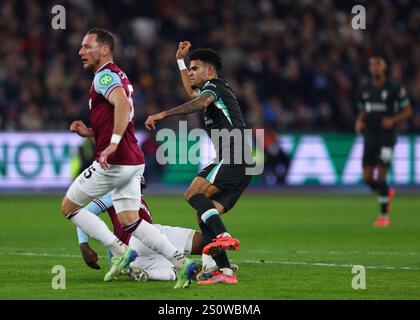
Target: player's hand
[[89, 256], [103, 157], [151, 120], [183, 48], [80, 128], [360, 125], [388, 122]]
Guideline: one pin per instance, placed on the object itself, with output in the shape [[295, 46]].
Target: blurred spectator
[[296, 60]]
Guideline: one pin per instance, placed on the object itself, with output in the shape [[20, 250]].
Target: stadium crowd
[[294, 65]]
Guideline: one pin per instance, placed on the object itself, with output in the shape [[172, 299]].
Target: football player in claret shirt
[[382, 104], [118, 165]]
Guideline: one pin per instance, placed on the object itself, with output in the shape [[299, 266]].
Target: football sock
[[221, 259], [96, 207], [95, 227], [207, 213], [216, 224], [152, 237], [117, 248], [383, 198], [227, 271], [208, 261]]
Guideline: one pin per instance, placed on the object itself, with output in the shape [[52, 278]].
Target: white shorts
[[149, 259], [93, 182]]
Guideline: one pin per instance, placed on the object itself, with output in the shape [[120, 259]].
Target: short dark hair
[[208, 56], [104, 36]]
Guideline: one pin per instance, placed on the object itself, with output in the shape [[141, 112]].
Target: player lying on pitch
[[149, 264]]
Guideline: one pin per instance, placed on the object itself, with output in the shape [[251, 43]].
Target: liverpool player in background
[[382, 104]]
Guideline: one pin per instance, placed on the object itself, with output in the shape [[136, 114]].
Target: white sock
[[208, 261], [97, 229], [117, 247], [227, 271], [161, 274], [152, 237]]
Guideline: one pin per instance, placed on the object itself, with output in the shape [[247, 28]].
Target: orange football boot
[[220, 277], [221, 243]]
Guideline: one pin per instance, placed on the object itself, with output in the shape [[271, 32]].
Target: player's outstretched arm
[[89, 256], [191, 106], [122, 109], [183, 49]]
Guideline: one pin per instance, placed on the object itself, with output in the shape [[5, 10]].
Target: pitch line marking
[[316, 264], [384, 253], [33, 254], [322, 264]]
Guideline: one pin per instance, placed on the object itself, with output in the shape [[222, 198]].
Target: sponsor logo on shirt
[[106, 79], [375, 107], [208, 121]]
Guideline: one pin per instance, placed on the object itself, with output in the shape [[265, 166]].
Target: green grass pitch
[[292, 247]]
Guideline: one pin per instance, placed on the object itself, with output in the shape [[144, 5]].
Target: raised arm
[[183, 49]]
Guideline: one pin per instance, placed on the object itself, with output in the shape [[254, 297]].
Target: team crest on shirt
[[384, 94]]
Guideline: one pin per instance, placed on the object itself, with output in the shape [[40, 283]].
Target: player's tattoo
[[191, 106], [186, 108]]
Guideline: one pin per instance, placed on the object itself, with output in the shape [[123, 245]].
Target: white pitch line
[[316, 264], [379, 253], [33, 254], [322, 264]]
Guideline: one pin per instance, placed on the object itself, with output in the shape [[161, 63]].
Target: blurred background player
[[219, 185], [119, 162], [383, 104]]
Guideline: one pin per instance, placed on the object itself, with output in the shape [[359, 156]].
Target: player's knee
[[381, 180], [189, 193], [127, 218], [368, 179], [219, 207], [67, 206]]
